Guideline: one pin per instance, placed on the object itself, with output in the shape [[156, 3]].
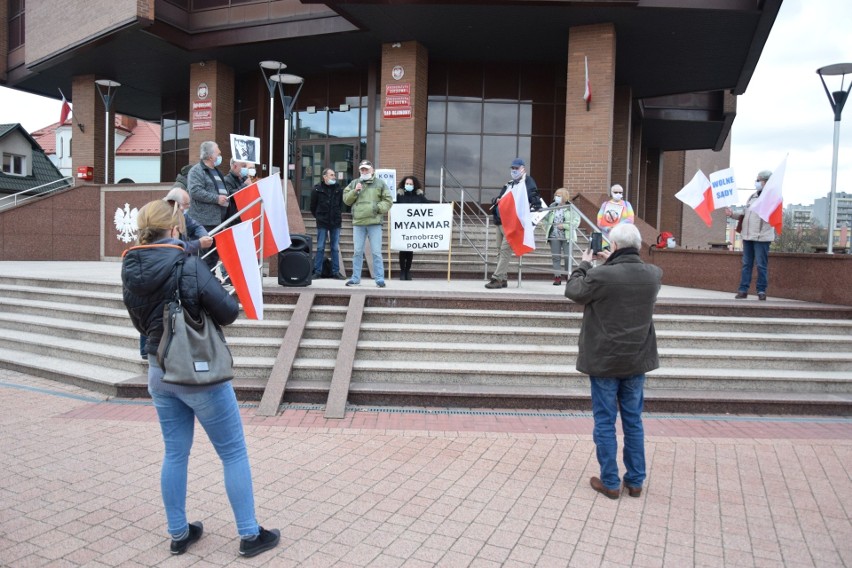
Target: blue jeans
[[360, 233], [754, 251], [219, 415], [335, 249], [609, 396]]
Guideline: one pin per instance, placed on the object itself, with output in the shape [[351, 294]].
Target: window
[[16, 24], [14, 165]]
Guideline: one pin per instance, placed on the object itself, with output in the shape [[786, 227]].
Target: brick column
[[218, 125], [588, 134], [89, 146], [621, 139], [402, 144]]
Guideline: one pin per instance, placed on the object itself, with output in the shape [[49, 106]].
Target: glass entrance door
[[315, 155]]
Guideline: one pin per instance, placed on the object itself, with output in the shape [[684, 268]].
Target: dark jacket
[[617, 337], [194, 231], [532, 195], [148, 282], [327, 205], [415, 196]]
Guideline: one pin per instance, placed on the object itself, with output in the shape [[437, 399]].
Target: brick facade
[[89, 147], [588, 134], [219, 79], [402, 142]]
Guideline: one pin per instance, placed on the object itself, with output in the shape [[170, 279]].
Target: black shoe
[[761, 295], [339, 276], [380, 284], [741, 296], [266, 540], [494, 284], [352, 283], [316, 275], [181, 546]]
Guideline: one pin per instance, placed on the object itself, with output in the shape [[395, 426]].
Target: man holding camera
[[617, 346]]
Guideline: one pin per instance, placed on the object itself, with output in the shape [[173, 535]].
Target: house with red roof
[[137, 148]]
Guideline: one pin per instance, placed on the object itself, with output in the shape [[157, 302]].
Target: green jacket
[[371, 204]]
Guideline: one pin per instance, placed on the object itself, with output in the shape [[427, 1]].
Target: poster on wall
[[389, 177]]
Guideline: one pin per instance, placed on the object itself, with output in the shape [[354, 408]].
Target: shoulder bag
[[192, 352]]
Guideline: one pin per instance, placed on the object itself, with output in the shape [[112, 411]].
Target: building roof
[[143, 138], [43, 171]]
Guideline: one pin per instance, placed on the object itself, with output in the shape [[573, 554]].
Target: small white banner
[[389, 177], [724, 188], [418, 227]]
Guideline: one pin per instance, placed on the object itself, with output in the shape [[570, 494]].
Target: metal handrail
[[16, 198], [476, 206], [224, 225]]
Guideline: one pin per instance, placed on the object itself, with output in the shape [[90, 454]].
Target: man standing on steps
[[617, 346], [518, 171], [370, 200]]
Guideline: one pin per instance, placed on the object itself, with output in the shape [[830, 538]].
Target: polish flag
[[515, 215], [276, 232], [587, 94], [769, 206], [66, 110], [698, 194], [236, 249]]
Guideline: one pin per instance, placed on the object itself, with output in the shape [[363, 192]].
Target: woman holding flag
[[757, 235]]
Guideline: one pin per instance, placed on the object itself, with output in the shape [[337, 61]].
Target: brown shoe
[[633, 491], [494, 284], [741, 296], [598, 486]]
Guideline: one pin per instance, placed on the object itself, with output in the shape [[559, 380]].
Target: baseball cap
[[518, 163], [365, 164]]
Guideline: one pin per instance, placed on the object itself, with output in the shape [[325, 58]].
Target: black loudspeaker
[[295, 266]]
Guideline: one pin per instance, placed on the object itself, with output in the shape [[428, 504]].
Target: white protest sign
[[389, 177], [724, 188], [421, 227]]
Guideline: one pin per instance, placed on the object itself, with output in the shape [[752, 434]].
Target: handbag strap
[[179, 267]]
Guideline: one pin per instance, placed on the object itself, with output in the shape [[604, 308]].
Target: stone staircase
[[416, 347]]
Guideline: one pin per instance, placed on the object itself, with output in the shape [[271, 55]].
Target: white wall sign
[[389, 177]]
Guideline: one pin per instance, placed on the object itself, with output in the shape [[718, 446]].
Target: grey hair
[[616, 187], [764, 175], [207, 149], [625, 235], [326, 170]]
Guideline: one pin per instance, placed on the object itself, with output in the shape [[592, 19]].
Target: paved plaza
[[422, 487]]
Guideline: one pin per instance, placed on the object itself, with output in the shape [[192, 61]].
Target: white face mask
[[331, 180], [558, 199], [758, 185], [617, 196], [409, 187], [516, 174]]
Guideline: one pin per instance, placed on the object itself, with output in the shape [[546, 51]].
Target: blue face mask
[[516, 174], [217, 162], [243, 172], [409, 187]]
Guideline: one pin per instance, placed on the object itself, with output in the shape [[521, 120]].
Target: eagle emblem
[[125, 222]]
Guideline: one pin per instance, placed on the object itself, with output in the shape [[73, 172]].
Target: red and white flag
[[698, 194], [515, 215], [66, 110], [770, 204], [587, 94], [236, 249], [276, 231]]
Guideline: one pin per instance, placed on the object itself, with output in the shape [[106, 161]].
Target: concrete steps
[[454, 350]]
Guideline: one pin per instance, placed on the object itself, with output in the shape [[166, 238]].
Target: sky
[[783, 113]]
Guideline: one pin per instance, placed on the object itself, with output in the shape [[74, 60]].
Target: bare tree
[[797, 237]]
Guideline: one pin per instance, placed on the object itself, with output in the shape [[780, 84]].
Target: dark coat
[[148, 276], [415, 196], [532, 195], [617, 337], [327, 205], [204, 195]]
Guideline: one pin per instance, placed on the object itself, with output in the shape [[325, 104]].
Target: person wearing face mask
[[408, 191], [208, 193], [614, 210], [757, 235], [370, 200], [326, 207], [560, 226], [236, 180], [518, 172], [251, 175]]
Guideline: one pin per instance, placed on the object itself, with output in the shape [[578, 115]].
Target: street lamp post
[[837, 99], [106, 88], [288, 102], [273, 68]]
